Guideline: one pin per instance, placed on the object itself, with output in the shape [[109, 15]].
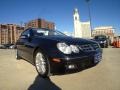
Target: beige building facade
[[108, 31], [81, 29]]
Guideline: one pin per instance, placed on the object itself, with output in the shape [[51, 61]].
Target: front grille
[[89, 47], [95, 46], [86, 47]]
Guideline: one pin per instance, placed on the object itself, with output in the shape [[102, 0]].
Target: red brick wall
[[40, 23]]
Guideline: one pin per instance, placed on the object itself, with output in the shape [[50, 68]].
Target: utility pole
[[21, 23], [88, 5]]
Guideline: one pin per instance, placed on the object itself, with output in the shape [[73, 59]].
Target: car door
[[25, 45]]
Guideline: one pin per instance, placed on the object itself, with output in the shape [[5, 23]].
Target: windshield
[[44, 32], [100, 37]]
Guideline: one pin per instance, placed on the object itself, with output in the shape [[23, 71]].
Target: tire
[[106, 46], [41, 64], [17, 56]]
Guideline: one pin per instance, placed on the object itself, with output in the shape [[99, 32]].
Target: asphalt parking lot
[[21, 75]]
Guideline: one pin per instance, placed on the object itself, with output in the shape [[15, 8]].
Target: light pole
[[88, 4]]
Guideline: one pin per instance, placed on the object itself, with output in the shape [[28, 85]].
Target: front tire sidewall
[[46, 73]]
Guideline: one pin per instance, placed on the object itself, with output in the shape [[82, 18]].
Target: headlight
[[74, 48], [63, 47], [104, 41], [66, 49]]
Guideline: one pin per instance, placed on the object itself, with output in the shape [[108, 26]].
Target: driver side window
[[25, 34]]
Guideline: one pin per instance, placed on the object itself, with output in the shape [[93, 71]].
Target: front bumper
[[76, 64], [102, 45]]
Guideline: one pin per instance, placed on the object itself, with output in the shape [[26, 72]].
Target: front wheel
[[106, 46], [41, 64]]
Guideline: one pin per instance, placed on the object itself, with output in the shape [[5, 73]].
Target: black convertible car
[[54, 53]]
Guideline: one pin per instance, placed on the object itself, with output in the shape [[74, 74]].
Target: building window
[[75, 18]]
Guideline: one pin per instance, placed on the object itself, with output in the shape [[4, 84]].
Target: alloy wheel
[[40, 63]]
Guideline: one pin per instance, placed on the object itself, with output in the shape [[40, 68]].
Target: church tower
[[77, 24]]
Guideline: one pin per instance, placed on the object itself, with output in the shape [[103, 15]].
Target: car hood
[[99, 40], [69, 40]]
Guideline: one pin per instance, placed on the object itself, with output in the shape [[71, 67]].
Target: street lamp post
[[88, 4]]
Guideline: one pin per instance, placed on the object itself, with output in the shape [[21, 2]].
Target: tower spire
[[77, 24], [76, 14]]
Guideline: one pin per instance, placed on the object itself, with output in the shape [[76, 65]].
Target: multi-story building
[[40, 23], [86, 31], [81, 29], [108, 31], [9, 33]]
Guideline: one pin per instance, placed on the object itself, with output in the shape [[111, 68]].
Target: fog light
[[71, 66]]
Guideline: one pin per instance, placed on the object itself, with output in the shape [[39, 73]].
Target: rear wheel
[[41, 64], [17, 55]]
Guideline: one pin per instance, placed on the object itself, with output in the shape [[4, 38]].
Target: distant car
[[53, 53], [2, 47], [8, 46], [12, 47], [102, 40]]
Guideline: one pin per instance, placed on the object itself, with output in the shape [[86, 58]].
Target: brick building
[[9, 33], [40, 23]]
